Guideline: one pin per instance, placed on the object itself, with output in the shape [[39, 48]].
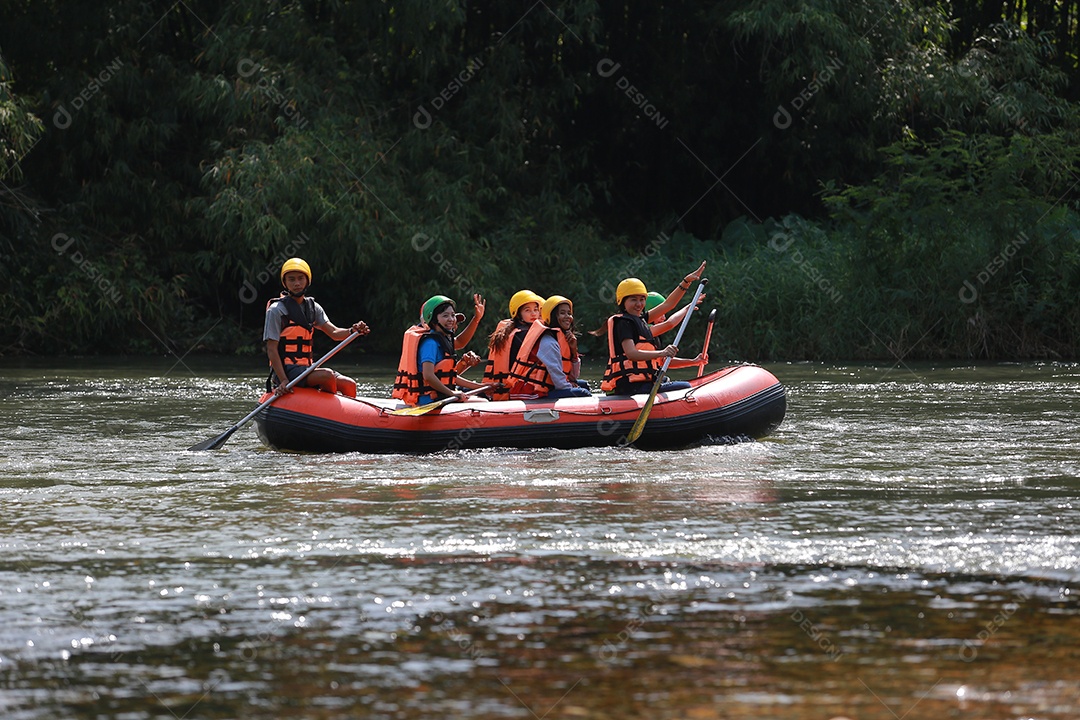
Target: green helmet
[[653, 300], [427, 310]]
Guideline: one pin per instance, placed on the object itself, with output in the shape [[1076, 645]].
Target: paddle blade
[[424, 409], [214, 443], [217, 442], [420, 409]]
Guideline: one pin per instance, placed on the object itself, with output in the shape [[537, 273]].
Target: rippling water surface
[[905, 545]]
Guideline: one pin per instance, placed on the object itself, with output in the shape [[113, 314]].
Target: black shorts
[[645, 388], [291, 371]]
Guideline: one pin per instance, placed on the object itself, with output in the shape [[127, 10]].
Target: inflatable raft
[[734, 403]]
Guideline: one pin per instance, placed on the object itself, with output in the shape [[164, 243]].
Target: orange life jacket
[[294, 346], [409, 385], [621, 369], [497, 367], [530, 375], [564, 352]]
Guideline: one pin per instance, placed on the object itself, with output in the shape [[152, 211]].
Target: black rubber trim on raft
[[754, 416]]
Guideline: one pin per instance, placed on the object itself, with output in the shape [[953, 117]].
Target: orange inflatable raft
[[734, 403]]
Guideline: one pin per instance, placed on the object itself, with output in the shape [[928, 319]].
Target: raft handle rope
[[476, 409]]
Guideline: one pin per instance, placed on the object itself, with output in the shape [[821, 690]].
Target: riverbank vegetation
[[873, 180]]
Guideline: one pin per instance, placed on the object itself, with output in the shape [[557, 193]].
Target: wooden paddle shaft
[[296, 380], [639, 424], [220, 440]]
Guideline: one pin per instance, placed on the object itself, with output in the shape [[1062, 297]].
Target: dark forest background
[[868, 180]]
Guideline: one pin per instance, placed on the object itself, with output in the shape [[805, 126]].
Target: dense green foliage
[[878, 179]]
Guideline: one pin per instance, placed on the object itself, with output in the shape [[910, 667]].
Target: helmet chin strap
[[454, 333]]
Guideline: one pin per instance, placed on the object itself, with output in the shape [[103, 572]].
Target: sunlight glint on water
[[904, 535]]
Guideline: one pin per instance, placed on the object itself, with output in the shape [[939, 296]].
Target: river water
[[903, 547]]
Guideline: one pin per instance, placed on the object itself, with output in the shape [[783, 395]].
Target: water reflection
[[904, 546]]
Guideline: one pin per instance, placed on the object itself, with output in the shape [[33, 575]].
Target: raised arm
[[672, 300], [673, 321], [466, 335]]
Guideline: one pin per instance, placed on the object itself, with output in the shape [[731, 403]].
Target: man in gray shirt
[[290, 320]]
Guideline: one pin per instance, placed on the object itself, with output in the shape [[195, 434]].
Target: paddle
[[215, 443], [639, 424], [708, 337], [425, 409]]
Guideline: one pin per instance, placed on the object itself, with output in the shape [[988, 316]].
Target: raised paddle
[[425, 409], [639, 424], [215, 443], [708, 337]]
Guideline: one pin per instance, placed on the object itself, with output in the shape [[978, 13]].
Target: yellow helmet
[[523, 297], [295, 265], [628, 287], [549, 307]]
